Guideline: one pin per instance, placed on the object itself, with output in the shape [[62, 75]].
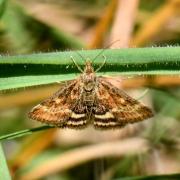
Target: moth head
[[88, 67]]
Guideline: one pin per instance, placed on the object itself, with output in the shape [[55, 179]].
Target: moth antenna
[[109, 45], [79, 68], [143, 94], [101, 64], [84, 59]]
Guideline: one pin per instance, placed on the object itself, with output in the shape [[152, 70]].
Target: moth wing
[[115, 108], [59, 109]]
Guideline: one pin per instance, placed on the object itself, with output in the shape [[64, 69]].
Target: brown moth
[[90, 100]]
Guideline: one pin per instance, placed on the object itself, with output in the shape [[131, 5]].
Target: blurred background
[[146, 148]]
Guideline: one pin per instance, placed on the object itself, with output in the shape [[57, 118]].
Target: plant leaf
[[4, 172], [36, 69]]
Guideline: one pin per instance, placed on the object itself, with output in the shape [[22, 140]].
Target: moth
[[90, 100]]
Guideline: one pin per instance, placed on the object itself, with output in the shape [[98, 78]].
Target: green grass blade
[[35, 69], [24, 132], [4, 172], [14, 29], [2, 7], [15, 21]]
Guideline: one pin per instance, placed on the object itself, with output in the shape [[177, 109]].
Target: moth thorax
[[89, 82], [89, 86]]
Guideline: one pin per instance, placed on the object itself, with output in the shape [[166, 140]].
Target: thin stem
[[24, 132]]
